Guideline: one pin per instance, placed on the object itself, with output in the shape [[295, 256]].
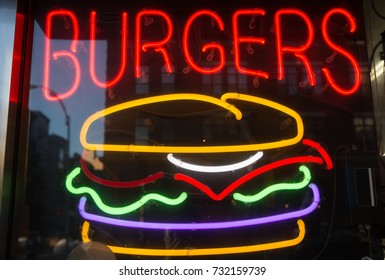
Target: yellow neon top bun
[[193, 149]]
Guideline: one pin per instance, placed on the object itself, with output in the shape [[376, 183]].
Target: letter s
[[341, 51]]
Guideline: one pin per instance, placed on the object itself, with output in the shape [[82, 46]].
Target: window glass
[[163, 130]]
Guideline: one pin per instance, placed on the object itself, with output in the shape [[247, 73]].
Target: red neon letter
[[205, 47], [123, 50], [238, 40], [341, 51], [47, 91], [299, 50], [157, 46]]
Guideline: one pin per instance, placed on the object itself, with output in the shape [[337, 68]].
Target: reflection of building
[[45, 185]]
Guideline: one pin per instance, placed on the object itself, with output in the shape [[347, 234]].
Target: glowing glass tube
[[124, 209], [204, 251], [214, 169], [201, 226], [276, 187], [119, 184], [193, 149]]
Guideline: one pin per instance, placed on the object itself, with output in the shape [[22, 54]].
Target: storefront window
[[196, 130]]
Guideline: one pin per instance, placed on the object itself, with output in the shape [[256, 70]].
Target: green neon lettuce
[[276, 187], [119, 210]]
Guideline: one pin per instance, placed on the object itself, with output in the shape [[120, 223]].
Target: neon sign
[[115, 215], [244, 188], [216, 49]]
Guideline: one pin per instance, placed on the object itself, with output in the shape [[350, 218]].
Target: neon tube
[[298, 50], [85, 230], [277, 187], [205, 47], [201, 226], [63, 53], [238, 40], [119, 184], [214, 169], [309, 70], [204, 251], [155, 149], [123, 55], [279, 107], [256, 172], [124, 209], [321, 150], [193, 149], [157, 46], [341, 51]]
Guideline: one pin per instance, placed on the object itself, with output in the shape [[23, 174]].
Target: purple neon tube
[[201, 226]]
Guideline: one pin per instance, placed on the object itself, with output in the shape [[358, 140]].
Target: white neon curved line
[[214, 169]]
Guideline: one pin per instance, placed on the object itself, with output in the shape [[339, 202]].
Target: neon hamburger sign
[[239, 175], [318, 156]]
